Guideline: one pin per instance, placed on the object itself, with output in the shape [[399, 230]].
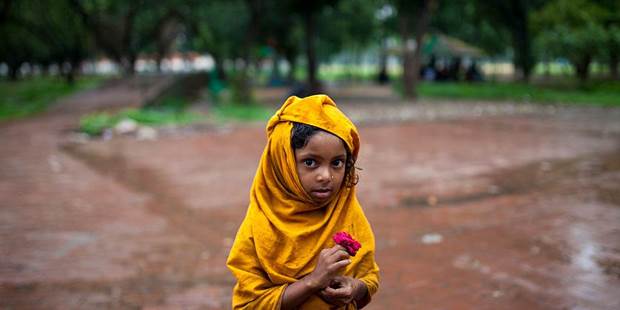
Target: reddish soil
[[512, 211]]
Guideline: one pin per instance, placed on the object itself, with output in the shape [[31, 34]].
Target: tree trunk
[[158, 60], [45, 69], [521, 40], [408, 82], [309, 24], [582, 68], [72, 71], [128, 65], [242, 79], [292, 65], [14, 71], [70, 75], [382, 77], [4, 12], [613, 64], [411, 55], [276, 74], [219, 68]]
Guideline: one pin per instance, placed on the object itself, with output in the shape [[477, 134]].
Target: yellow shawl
[[283, 231]]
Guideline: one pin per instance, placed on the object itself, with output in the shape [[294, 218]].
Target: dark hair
[[301, 134]]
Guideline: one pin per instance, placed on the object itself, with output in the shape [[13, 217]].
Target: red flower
[[346, 241]]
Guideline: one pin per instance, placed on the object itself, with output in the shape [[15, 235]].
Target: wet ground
[[494, 206]]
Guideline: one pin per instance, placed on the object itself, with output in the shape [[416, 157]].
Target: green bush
[[94, 124]]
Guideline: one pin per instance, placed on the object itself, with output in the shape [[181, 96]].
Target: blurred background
[[130, 132], [547, 51]]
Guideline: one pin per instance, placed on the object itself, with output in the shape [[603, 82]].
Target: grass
[[95, 123], [169, 110], [34, 95], [172, 110], [563, 90], [594, 93]]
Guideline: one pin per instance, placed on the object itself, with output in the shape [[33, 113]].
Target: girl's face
[[321, 166]]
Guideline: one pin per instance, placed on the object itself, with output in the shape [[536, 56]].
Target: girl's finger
[[342, 292], [335, 249], [340, 264], [340, 255]]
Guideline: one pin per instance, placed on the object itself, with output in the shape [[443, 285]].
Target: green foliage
[[30, 96], [94, 124], [240, 90], [218, 27], [575, 30], [466, 20], [574, 43], [44, 32], [351, 24]]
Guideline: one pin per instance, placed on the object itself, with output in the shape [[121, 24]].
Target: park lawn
[[29, 96], [595, 93]]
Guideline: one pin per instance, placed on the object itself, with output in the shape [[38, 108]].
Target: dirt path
[[477, 212]]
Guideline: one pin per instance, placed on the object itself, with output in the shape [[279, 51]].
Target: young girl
[[303, 193]]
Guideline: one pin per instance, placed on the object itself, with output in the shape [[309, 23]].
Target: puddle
[[570, 175]]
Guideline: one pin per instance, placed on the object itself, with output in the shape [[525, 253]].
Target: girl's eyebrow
[[312, 155]]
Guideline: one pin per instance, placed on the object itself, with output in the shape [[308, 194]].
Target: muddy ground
[[474, 206]]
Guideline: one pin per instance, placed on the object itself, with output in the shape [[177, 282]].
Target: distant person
[[454, 71], [473, 74], [285, 254], [442, 71], [383, 77], [429, 72]]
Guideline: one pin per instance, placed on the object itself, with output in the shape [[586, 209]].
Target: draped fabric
[[283, 232]]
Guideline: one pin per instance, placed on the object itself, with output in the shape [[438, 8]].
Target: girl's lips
[[322, 193]]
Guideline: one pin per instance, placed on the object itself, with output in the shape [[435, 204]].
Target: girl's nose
[[323, 175]]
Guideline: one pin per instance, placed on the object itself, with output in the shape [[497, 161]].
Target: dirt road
[[502, 211]]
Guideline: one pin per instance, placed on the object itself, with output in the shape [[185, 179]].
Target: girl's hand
[[331, 262], [343, 290]]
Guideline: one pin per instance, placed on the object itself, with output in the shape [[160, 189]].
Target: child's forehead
[[324, 144]]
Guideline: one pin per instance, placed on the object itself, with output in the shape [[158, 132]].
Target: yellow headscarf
[[283, 231]]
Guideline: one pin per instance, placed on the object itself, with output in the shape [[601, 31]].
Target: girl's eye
[[309, 162], [338, 163]]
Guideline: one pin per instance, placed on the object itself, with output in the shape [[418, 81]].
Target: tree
[[283, 32], [217, 27], [611, 22], [44, 32], [572, 29], [349, 26], [308, 11], [464, 20], [514, 15], [5, 9], [614, 50], [414, 17], [123, 29], [328, 27]]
